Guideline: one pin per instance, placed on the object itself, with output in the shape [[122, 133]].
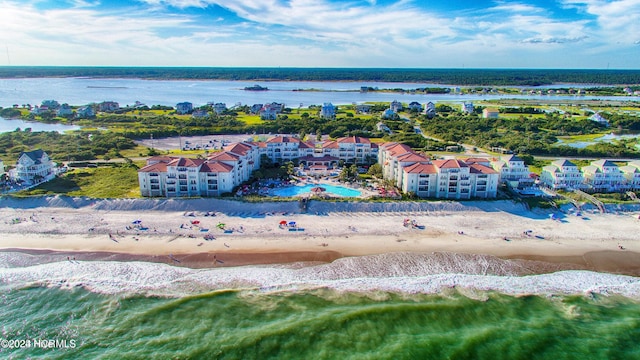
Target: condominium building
[[445, 179]]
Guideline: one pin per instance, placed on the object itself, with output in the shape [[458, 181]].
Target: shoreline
[[241, 234]]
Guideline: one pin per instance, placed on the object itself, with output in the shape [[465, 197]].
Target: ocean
[[391, 306]]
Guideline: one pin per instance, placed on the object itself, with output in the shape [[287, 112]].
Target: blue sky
[[583, 34]]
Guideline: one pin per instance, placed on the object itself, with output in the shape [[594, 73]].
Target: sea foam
[[399, 273]]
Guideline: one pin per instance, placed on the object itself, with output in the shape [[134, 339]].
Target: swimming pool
[[331, 189]]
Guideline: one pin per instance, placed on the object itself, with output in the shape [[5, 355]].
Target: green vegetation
[[481, 77], [536, 135], [113, 181], [64, 147]]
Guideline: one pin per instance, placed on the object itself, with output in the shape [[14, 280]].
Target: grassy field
[[118, 181]]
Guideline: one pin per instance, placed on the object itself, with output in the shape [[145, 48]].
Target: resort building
[[562, 174], [281, 149], [184, 108], [353, 150], [513, 171], [445, 179], [631, 174], [450, 179], [328, 111], [490, 113], [467, 107], [34, 167], [603, 176]]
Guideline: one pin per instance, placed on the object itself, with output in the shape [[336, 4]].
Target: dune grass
[[118, 181]]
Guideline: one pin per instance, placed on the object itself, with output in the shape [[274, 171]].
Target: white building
[[467, 107], [34, 167], [430, 109], [396, 106], [631, 174], [513, 170], [2, 172], [352, 149], [562, 174], [450, 179], [445, 179], [603, 176]]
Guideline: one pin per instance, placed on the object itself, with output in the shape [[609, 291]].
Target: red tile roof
[[186, 162], [283, 139], [354, 140], [157, 167], [450, 164], [224, 156], [481, 169], [421, 168], [216, 166]]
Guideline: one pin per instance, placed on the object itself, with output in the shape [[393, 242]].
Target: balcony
[[182, 176], [183, 182], [423, 183]]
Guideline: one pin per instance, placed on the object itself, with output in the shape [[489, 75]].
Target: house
[[383, 127], [467, 107], [603, 176], [184, 108], [34, 167], [363, 109], [415, 106], [430, 110], [219, 108], [268, 112], [631, 174], [490, 113], [84, 112], [199, 114], [108, 106], [599, 119], [389, 114], [51, 104], [328, 111], [64, 110], [396, 106], [255, 108], [562, 174], [2, 172], [514, 171]]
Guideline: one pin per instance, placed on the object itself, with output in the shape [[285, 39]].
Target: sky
[[561, 34]]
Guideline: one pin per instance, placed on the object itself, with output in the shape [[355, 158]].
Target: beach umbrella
[[292, 223], [136, 221], [318, 189], [283, 222], [220, 225]]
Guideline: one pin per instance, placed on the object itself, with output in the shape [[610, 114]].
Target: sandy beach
[[590, 240]]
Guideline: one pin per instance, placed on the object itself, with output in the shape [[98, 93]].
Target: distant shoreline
[[461, 77]]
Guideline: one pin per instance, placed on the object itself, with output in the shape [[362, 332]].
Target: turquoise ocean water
[[115, 310]]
